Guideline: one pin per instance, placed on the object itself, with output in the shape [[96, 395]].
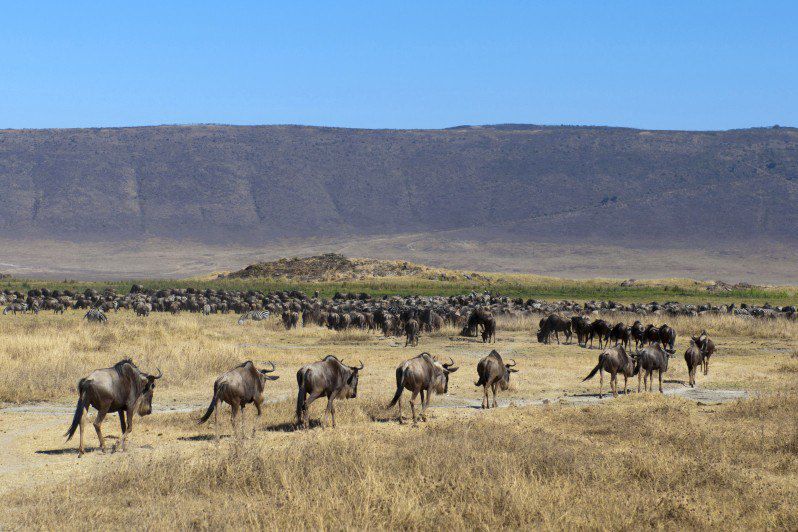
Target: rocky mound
[[336, 267]]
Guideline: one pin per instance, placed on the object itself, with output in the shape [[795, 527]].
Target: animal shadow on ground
[[65, 450], [202, 437], [290, 426]]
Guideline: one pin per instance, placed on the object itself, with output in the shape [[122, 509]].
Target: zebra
[[97, 315], [16, 307], [255, 315]]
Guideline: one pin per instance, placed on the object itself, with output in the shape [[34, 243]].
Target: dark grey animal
[[707, 347], [667, 337], [421, 375], [648, 360], [330, 378], [411, 333], [638, 333], [581, 326], [554, 324], [613, 360], [239, 387], [489, 331], [290, 319], [694, 358], [601, 329], [122, 388], [620, 334], [493, 373]]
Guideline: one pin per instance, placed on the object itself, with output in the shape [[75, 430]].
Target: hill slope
[[253, 185]]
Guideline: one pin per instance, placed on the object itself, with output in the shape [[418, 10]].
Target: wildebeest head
[[264, 373], [541, 336], [148, 383], [442, 375], [508, 368], [350, 392]]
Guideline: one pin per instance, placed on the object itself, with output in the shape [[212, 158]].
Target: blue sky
[[664, 65]]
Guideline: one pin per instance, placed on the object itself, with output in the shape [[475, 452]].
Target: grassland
[[642, 460]]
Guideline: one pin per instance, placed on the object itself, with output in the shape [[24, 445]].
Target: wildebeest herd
[[127, 390]]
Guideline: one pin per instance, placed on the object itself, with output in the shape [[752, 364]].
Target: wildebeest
[[142, 309], [648, 360], [489, 331], [614, 360], [476, 319], [601, 329], [123, 388], [329, 377], [96, 315], [554, 324], [411, 333], [290, 319], [581, 326], [620, 334], [421, 375], [667, 337], [239, 387], [651, 334], [638, 333], [694, 359], [493, 373], [707, 347]]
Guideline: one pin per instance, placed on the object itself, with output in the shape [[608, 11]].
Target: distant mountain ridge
[[255, 184]]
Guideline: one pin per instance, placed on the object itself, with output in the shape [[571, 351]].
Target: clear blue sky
[[665, 65]]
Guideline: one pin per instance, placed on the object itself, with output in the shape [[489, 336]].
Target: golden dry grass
[[643, 460]]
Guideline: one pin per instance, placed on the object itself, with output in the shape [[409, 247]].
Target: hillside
[[256, 185]]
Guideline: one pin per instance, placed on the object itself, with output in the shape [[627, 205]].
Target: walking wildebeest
[[648, 360], [667, 337], [620, 333], [329, 377], [651, 334], [554, 324], [476, 319], [581, 326], [694, 359], [638, 332], [290, 319], [489, 331], [614, 360], [123, 388], [495, 373], [421, 375], [707, 347], [601, 329], [411, 333], [239, 387]]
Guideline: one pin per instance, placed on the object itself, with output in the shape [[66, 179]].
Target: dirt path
[[34, 451]]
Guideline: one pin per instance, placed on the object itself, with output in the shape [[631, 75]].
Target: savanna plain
[[553, 456]]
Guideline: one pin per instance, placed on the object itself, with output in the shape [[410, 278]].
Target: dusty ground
[[44, 356]]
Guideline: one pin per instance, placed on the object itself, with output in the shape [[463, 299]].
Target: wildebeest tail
[[79, 410], [300, 397], [400, 386], [595, 370], [212, 406], [483, 379]]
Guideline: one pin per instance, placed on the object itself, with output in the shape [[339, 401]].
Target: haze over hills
[[255, 186]]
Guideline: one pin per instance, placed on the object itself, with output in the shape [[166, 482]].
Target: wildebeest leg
[[425, 396], [660, 381], [706, 365], [399, 405], [625, 387], [122, 421], [557, 336], [306, 412], [83, 415], [413, 406], [601, 381], [493, 388], [485, 400], [216, 421], [98, 421], [331, 409], [639, 378], [614, 384], [233, 417]]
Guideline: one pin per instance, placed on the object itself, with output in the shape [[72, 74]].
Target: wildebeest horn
[[270, 370], [160, 374], [451, 363], [513, 363], [358, 368]]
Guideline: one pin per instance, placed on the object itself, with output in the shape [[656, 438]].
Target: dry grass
[[643, 460]]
